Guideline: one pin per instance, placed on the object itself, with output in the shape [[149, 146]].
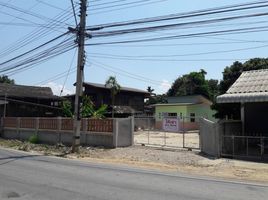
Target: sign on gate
[[171, 124]]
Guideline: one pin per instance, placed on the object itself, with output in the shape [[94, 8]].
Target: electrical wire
[[197, 13], [70, 67]]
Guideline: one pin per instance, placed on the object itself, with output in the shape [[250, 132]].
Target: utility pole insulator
[[80, 32]]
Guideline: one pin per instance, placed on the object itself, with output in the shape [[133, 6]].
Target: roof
[[251, 86], [189, 99], [97, 85], [175, 104], [11, 90], [124, 110]]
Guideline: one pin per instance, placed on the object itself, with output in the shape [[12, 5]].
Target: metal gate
[[248, 147], [149, 131]]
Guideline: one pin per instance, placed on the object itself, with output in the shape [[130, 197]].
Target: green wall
[[200, 110]]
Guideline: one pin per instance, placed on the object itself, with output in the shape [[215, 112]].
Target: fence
[[96, 132], [244, 146], [225, 139], [148, 131], [66, 124]]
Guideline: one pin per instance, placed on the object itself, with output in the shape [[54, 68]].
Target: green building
[[188, 109]]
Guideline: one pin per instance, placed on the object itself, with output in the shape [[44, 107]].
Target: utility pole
[[80, 74]]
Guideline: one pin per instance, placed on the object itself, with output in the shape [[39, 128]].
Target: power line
[[125, 73], [197, 13], [68, 72], [174, 25], [210, 33], [74, 13], [177, 55], [30, 13], [127, 7], [33, 36]]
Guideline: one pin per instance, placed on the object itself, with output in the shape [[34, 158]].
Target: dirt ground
[[190, 162], [191, 138]]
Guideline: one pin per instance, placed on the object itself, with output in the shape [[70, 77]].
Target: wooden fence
[[64, 124]]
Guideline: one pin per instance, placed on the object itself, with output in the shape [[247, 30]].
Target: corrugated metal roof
[[25, 91], [193, 99], [251, 86], [122, 88]]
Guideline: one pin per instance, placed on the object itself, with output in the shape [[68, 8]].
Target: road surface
[[32, 176]]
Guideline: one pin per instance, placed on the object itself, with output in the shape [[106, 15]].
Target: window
[[192, 117], [172, 114]]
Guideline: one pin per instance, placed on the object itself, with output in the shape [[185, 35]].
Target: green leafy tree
[[114, 87], [190, 84], [88, 109], [5, 79], [213, 86], [67, 109]]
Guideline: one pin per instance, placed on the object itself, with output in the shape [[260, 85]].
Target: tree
[[230, 75], [190, 84], [88, 109], [5, 79], [150, 90], [112, 83], [67, 109], [213, 86]]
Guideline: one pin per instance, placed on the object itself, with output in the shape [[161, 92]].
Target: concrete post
[[37, 123], [59, 124], [18, 127], [132, 129], [243, 117], [115, 132]]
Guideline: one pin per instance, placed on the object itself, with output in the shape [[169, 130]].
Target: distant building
[[129, 101], [27, 101], [188, 109]]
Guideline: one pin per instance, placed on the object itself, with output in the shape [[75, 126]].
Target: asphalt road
[[29, 176]]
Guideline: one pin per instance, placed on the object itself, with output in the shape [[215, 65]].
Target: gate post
[[183, 132]]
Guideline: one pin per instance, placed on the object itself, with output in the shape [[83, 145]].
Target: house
[[129, 101], [188, 109], [250, 91], [27, 101]]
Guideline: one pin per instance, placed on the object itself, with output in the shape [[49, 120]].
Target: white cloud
[[165, 85], [56, 88]]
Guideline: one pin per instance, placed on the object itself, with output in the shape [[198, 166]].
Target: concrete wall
[[125, 135], [122, 135], [212, 140], [209, 138]]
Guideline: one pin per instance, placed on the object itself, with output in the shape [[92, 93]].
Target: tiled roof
[[251, 86], [25, 91]]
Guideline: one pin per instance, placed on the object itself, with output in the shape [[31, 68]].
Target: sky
[[137, 65]]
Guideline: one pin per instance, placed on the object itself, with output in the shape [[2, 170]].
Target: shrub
[[33, 139]]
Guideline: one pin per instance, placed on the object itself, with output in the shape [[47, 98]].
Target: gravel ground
[[191, 138], [179, 160]]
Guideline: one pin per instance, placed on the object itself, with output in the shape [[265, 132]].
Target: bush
[[33, 139]]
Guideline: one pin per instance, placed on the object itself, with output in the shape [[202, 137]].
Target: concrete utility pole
[[80, 74]]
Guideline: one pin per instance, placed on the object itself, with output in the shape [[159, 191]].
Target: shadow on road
[[14, 158]]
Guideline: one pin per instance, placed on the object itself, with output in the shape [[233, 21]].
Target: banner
[[171, 124]]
